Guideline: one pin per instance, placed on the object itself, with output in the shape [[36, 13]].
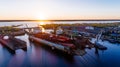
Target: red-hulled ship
[[66, 44], [59, 42]]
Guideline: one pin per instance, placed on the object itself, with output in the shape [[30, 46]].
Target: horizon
[[59, 10], [60, 20]]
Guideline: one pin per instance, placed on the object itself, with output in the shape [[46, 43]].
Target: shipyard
[[64, 40], [59, 33]]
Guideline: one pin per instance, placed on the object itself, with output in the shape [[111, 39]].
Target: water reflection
[[39, 55], [1, 54], [17, 59]]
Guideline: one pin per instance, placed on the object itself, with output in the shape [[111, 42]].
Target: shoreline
[[60, 20]]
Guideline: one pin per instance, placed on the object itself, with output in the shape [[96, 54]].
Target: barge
[[13, 43]]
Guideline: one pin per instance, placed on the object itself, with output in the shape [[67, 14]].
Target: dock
[[13, 44]]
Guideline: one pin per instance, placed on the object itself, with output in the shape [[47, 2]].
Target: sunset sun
[[41, 17]]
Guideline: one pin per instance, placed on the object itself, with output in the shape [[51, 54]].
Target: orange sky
[[59, 9]]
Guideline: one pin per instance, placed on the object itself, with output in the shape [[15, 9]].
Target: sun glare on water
[[41, 17], [41, 23]]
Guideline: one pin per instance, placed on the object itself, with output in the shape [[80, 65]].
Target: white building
[[89, 27]]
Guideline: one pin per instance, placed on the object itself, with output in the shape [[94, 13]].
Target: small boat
[[112, 40], [99, 46], [12, 43]]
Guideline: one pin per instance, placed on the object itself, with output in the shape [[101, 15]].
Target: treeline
[[49, 26], [8, 30]]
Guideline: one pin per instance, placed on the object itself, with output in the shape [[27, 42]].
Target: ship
[[55, 41]]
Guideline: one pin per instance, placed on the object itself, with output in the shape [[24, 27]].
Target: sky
[[59, 9]]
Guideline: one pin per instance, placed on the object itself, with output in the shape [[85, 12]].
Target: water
[[38, 56]]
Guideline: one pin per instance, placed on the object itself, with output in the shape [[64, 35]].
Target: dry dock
[[13, 44]]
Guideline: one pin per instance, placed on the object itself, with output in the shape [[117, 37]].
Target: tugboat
[[12, 43]]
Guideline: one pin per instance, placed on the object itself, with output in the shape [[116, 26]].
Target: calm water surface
[[37, 56]]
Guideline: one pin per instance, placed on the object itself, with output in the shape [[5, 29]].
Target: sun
[[41, 17]]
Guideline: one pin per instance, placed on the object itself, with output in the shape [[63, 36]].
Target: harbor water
[[39, 56]]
